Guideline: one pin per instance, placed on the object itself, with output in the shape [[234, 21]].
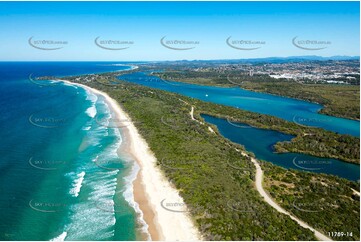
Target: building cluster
[[316, 71], [91, 77]]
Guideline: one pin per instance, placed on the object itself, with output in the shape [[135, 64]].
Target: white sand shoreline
[[155, 188]]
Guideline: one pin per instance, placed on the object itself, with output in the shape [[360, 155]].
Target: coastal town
[[332, 71]]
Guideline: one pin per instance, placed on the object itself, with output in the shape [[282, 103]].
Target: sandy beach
[[163, 208]]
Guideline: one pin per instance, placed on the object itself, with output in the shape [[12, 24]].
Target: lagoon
[[300, 112], [261, 141]]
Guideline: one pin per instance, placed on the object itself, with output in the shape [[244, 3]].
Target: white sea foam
[[77, 183], [128, 195], [87, 128], [66, 84], [91, 111], [88, 220], [61, 237], [91, 96], [94, 217], [108, 188], [130, 68], [95, 159]]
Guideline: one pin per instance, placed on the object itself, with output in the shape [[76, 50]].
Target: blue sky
[[209, 24]]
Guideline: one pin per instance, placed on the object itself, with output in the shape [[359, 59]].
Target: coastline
[[151, 187]]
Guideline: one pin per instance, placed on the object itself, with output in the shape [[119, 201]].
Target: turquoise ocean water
[[60, 175]]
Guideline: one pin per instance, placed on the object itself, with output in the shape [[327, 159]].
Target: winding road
[[269, 200], [267, 197]]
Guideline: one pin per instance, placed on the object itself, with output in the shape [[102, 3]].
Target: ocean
[[60, 174]]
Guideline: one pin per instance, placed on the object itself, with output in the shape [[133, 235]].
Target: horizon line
[[221, 59]]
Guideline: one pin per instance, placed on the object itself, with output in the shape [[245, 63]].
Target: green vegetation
[[326, 203], [338, 100], [216, 182], [207, 78], [308, 140]]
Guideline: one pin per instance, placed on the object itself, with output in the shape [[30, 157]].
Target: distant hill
[[276, 59]]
